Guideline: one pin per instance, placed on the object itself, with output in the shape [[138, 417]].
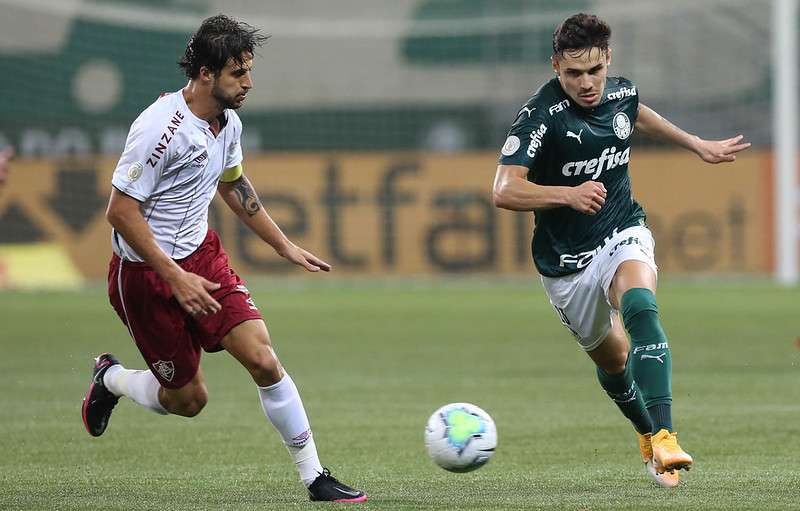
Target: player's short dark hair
[[580, 32], [218, 39]]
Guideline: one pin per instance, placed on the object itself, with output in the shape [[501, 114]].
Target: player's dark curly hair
[[580, 32], [218, 39]]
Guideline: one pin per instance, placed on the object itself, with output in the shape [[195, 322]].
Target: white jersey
[[172, 163]]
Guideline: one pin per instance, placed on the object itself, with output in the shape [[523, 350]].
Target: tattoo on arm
[[246, 196]]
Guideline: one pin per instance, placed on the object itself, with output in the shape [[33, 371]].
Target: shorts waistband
[[131, 265], [141, 265]]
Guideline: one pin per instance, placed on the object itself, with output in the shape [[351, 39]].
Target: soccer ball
[[460, 437]]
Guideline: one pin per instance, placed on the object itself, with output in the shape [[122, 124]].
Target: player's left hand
[[719, 151], [304, 258]]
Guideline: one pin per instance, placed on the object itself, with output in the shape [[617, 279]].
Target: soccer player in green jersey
[[566, 159]]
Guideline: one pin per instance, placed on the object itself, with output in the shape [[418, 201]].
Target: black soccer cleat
[[326, 488], [99, 401]]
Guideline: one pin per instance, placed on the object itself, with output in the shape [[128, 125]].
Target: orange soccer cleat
[[665, 479], [667, 454]]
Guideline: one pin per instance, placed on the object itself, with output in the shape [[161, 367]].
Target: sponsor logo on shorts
[[582, 259], [165, 368], [633, 240], [645, 355]]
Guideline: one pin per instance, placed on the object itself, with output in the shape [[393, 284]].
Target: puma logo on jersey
[[607, 160], [527, 110], [645, 355], [573, 135]]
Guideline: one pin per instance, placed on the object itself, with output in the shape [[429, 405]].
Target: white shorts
[[581, 299]]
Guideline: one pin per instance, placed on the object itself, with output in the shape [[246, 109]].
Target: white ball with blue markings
[[460, 437]]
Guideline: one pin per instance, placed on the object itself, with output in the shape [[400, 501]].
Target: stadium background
[[372, 136], [373, 129]]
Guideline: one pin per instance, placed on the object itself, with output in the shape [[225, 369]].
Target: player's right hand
[[191, 291], [587, 197]]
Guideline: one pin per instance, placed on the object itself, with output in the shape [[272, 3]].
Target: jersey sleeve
[[631, 92], [144, 158], [635, 105], [232, 174], [233, 151], [527, 139]]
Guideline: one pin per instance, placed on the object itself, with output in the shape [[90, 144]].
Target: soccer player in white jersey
[[566, 159], [169, 279]]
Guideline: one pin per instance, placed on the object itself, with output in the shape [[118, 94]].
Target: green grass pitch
[[372, 361]]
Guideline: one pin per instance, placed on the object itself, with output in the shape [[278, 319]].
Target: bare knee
[[194, 406], [249, 342], [612, 354], [186, 404], [264, 367], [614, 364]]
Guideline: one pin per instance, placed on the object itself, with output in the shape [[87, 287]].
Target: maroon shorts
[[169, 338]]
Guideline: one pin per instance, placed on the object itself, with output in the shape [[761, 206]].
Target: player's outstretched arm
[[710, 151], [191, 290], [241, 197], [513, 191]]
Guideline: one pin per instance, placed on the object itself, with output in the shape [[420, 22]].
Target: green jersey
[[563, 144]]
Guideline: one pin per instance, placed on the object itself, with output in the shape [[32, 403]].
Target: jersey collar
[[201, 123], [603, 98]]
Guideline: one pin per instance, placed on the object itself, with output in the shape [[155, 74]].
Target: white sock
[[141, 386], [283, 407]]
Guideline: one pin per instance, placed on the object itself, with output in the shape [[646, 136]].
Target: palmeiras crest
[[622, 126]]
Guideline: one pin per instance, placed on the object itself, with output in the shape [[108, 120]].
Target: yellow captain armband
[[232, 174]]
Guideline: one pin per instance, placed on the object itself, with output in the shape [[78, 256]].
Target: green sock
[[649, 359], [623, 390]]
